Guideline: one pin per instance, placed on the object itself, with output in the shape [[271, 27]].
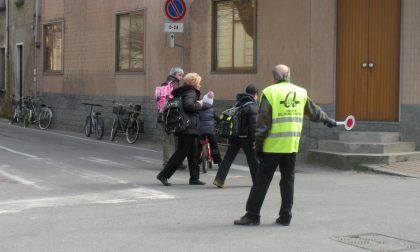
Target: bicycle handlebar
[[133, 107], [92, 104]]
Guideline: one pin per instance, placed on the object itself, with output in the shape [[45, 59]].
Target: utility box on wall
[[2, 5], [19, 2]]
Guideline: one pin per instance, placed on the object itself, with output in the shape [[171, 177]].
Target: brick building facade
[[302, 34]]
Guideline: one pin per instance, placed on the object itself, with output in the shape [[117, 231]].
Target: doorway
[[19, 71], [368, 57], [2, 69]]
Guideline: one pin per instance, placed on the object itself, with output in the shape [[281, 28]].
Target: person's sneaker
[[197, 182], [282, 221], [245, 221], [218, 183], [163, 180]]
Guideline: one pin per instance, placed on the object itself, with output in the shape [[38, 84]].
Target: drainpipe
[[6, 50], [182, 55], [36, 50]]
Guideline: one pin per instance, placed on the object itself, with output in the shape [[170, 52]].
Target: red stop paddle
[[348, 123]]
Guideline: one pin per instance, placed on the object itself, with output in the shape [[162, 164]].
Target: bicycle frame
[[34, 110], [126, 120], [206, 154], [94, 121]]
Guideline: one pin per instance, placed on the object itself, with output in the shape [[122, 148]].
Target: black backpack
[[175, 119], [230, 124]]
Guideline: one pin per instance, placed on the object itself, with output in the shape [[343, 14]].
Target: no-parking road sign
[[175, 9]]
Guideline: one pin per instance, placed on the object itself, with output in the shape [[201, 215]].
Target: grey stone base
[[70, 114]]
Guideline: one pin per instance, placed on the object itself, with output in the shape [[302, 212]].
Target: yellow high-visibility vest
[[288, 104]]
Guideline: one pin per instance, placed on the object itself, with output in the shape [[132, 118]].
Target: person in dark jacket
[[169, 142], [246, 139], [187, 147], [208, 116]]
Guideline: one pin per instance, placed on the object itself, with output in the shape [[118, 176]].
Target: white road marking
[[105, 162], [159, 162], [19, 179], [229, 176], [102, 178], [147, 160], [18, 152], [246, 169], [113, 197]]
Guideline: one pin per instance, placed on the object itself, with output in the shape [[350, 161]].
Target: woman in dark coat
[[187, 139]]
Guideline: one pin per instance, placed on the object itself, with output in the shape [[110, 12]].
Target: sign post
[[171, 40], [175, 11]]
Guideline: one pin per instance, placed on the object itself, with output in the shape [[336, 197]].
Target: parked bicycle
[[17, 114], [37, 113], [205, 155], [94, 122], [127, 121]]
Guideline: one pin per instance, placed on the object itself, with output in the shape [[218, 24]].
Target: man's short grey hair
[[281, 77], [175, 70]]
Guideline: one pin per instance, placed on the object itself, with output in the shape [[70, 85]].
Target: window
[[234, 35], [53, 47], [130, 42]]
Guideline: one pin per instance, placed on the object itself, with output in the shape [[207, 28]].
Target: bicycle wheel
[[132, 132], [45, 117], [99, 128], [13, 117], [204, 158], [204, 166], [209, 157], [114, 129], [88, 126], [27, 118]]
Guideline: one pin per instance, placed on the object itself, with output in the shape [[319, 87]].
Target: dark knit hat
[[251, 89]]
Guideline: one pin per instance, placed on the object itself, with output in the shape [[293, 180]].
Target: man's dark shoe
[[196, 182], [282, 221], [245, 221], [163, 180]]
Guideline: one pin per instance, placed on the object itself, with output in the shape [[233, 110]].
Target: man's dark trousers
[[234, 146], [269, 163]]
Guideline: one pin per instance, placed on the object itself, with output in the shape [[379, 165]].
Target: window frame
[[44, 63], [233, 69], [117, 43]]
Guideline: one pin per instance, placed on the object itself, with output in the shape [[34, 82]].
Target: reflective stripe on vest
[[287, 104]]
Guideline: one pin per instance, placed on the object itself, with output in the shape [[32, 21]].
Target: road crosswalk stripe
[[112, 197], [17, 152], [19, 179]]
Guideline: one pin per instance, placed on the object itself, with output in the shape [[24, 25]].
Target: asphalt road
[[64, 192]]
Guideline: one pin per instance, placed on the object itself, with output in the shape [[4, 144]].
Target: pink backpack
[[162, 94]]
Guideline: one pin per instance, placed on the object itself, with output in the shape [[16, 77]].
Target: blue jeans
[[251, 157]]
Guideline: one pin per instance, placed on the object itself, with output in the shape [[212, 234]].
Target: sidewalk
[[407, 169]]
